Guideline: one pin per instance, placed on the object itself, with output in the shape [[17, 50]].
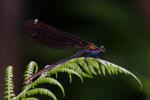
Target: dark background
[[122, 26]]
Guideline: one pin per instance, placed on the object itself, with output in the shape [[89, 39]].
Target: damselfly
[[55, 38]]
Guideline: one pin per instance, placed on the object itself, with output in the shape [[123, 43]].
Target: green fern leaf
[[41, 91], [106, 67], [66, 70], [47, 80], [9, 87], [31, 68], [87, 67], [80, 67]]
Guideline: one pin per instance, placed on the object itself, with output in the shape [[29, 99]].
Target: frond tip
[[112, 68], [9, 87], [31, 69]]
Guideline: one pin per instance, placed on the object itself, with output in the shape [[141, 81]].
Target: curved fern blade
[[115, 69], [67, 70], [95, 67], [74, 65], [41, 91], [48, 80]]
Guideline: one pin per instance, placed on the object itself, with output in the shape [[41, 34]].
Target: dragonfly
[[56, 38]]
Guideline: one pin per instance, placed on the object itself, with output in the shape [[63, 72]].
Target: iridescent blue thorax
[[89, 53]]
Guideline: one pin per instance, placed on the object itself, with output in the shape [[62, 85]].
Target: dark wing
[[51, 36]]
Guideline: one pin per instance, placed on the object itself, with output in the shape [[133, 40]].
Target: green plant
[[81, 67]]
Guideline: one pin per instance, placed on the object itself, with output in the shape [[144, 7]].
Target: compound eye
[[102, 49]]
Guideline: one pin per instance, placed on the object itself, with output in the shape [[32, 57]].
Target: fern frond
[[66, 70], [80, 67], [48, 80], [92, 66], [31, 68], [9, 87], [41, 91]]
